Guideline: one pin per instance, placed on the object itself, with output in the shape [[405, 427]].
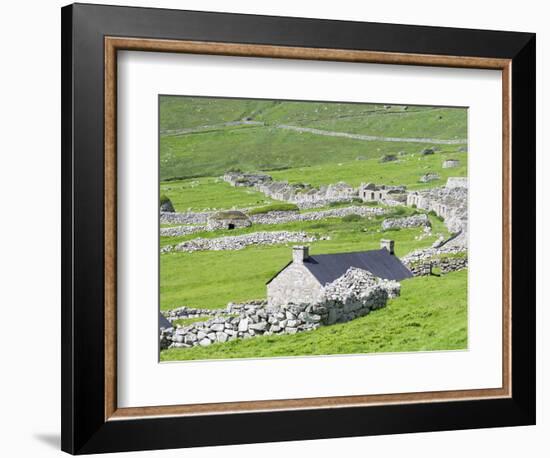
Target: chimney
[[300, 254], [388, 245]]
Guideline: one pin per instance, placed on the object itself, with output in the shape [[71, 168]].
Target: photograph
[[296, 228]]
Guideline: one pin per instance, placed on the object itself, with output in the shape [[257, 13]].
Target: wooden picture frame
[[91, 37]]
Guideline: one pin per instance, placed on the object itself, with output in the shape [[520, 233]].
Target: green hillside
[[205, 136]]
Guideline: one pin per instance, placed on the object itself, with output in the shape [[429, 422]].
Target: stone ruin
[[354, 294], [306, 196], [426, 178], [447, 259], [457, 182], [449, 202], [450, 163], [239, 179], [389, 195], [230, 219]]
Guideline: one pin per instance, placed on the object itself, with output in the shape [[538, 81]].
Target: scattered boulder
[[427, 151], [388, 158], [426, 178]]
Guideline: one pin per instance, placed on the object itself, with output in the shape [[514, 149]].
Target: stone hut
[[302, 280], [231, 219], [450, 163]]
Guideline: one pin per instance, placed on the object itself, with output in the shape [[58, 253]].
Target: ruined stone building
[[230, 219], [449, 202], [371, 192], [302, 280]]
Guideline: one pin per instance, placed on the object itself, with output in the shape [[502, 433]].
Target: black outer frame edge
[[67, 412], [523, 134], [83, 427]]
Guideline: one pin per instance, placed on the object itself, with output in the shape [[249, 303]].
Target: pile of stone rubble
[[354, 294]]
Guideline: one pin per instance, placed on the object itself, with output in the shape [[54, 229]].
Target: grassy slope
[[406, 171], [440, 123], [431, 314], [210, 193], [211, 279], [212, 152]]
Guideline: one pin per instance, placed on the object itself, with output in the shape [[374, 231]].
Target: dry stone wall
[[184, 218], [422, 262], [238, 242], [278, 217], [354, 294], [406, 222]]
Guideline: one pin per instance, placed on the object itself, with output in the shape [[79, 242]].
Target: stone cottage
[[230, 219], [302, 280]]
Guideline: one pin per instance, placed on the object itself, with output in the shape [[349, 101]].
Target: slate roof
[[328, 267]]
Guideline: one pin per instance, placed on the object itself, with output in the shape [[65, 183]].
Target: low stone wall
[[184, 218], [354, 294], [406, 222], [200, 220], [177, 231], [421, 262], [287, 217], [238, 242]]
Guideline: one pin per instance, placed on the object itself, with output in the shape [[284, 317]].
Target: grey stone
[[221, 337], [261, 326], [243, 325]]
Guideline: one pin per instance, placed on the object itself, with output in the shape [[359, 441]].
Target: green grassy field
[[430, 314], [210, 193], [251, 147]]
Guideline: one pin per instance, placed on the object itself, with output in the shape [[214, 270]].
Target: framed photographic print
[[282, 228]]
